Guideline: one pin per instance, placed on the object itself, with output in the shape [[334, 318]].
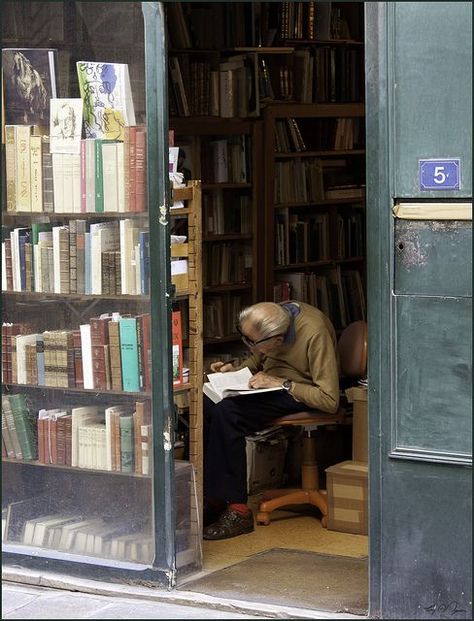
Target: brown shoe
[[230, 524]]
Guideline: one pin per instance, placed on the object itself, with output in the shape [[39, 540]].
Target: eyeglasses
[[251, 343]]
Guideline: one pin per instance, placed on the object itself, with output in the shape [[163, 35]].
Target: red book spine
[[68, 440]]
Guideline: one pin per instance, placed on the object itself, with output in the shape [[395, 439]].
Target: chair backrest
[[352, 349]]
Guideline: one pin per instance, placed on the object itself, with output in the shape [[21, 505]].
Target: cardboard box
[[265, 462], [360, 431], [347, 497]]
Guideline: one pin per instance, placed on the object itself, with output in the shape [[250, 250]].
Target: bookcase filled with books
[[295, 70], [223, 154], [314, 201], [79, 378]]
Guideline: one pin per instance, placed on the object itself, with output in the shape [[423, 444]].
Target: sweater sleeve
[[323, 394]]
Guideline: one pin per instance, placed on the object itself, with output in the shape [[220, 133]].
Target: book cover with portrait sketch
[[107, 95], [65, 125], [29, 82]]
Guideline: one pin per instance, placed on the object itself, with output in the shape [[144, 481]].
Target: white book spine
[[120, 177], [86, 346], [58, 181], [109, 175], [76, 182]]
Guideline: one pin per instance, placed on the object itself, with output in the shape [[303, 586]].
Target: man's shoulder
[[315, 318]]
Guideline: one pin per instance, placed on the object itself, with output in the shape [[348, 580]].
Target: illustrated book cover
[[107, 96], [29, 82]]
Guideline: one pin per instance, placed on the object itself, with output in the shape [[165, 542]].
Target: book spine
[[10, 168], [145, 436], [132, 168], [78, 371], [40, 359], [57, 160], [23, 167], [8, 264], [10, 422], [68, 441], [80, 255], [72, 256], [48, 183], [129, 354], [83, 177], [7, 438], [36, 173], [114, 353], [140, 170], [99, 179], [126, 443]]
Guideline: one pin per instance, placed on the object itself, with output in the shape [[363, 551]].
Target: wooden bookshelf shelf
[[76, 469]]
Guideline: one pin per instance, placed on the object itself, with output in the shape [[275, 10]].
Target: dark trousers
[[225, 426]]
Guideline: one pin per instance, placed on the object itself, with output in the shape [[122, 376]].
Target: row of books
[[226, 160], [105, 176], [226, 263], [115, 438], [338, 293], [100, 258], [220, 314], [111, 352], [301, 238], [339, 134], [305, 181], [225, 213], [258, 23], [77, 533], [200, 88]]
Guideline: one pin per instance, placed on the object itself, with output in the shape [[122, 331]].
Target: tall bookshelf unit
[[230, 215], [295, 72], [85, 466], [315, 244]]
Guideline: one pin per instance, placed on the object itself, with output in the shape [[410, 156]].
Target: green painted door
[[419, 142]]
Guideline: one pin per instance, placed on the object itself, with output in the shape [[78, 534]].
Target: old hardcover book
[[99, 341], [115, 355], [9, 446], [81, 227], [81, 416], [10, 422], [24, 426], [126, 443], [47, 172], [29, 80], [61, 259], [8, 264], [72, 225], [104, 237], [145, 439], [141, 416]]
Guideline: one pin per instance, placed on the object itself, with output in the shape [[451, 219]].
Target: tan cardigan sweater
[[310, 361]]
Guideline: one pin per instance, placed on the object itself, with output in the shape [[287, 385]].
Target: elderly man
[[292, 346]]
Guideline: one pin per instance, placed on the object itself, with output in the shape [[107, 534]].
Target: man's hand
[[221, 367], [263, 380]]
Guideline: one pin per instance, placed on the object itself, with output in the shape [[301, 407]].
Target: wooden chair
[[352, 349]]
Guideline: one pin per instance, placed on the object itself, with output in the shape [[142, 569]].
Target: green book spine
[[126, 444], [24, 426], [129, 354], [99, 177]]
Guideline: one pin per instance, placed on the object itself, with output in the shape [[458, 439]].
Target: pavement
[[32, 594]]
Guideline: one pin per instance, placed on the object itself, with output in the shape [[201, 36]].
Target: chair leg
[[309, 494]]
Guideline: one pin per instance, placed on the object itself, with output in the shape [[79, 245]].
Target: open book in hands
[[231, 384]]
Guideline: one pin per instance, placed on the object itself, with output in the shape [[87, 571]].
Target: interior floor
[[310, 578]]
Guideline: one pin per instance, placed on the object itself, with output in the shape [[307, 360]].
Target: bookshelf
[[79, 438], [314, 203], [225, 154], [188, 301], [295, 70]]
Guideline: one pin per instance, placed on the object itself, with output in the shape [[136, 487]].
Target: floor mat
[[292, 578]]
